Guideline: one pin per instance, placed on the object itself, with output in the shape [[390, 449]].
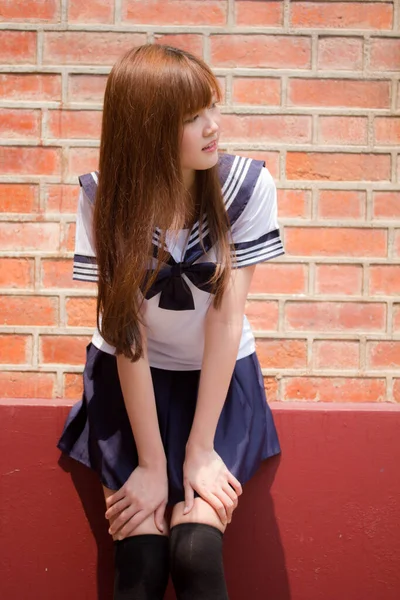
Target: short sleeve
[[255, 234], [85, 265]]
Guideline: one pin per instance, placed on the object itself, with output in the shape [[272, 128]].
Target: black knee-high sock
[[141, 567], [196, 562]]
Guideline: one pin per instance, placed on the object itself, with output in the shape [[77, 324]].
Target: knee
[[195, 548]]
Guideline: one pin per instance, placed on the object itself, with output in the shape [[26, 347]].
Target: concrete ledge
[[322, 521]]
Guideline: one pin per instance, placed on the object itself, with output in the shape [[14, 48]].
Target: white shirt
[[176, 337]]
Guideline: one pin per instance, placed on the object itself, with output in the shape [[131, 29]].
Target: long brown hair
[[149, 92]]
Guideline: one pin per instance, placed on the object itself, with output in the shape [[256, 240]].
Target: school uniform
[[97, 432]]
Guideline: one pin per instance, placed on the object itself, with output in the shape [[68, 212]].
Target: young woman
[[173, 411]]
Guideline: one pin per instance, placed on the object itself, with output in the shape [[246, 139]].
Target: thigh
[[201, 512], [146, 527]]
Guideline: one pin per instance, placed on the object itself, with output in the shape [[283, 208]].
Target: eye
[[191, 119]]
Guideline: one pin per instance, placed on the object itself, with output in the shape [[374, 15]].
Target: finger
[[227, 502], [231, 493], [159, 517], [131, 525], [218, 506], [116, 508], [189, 498], [121, 519], [235, 483], [115, 497]]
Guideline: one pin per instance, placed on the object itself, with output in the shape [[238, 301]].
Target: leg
[[196, 553], [140, 562]]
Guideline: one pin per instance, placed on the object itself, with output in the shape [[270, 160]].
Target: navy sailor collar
[[238, 176]]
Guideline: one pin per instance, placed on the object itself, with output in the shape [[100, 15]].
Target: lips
[[210, 145]]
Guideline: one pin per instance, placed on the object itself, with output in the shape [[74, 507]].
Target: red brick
[[271, 386], [82, 160], [279, 278], [68, 237], [282, 354], [397, 242], [386, 205], [86, 88], [18, 198], [271, 159], [34, 10], [338, 279], [73, 386], [385, 280], [334, 389], [29, 236], [17, 272], [385, 54], [339, 92], [387, 130], [18, 47], [27, 384], [15, 349], [57, 273], [338, 166], [28, 310], [396, 390], [175, 12], [335, 241], [81, 312], [88, 47], [91, 11], [26, 87], [383, 355], [342, 130], [334, 354], [342, 15], [260, 14], [335, 316], [63, 349], [396, 318], [74, 124], [262, 315], [340, 53], [257, 90], [186, 41], [281, 128], [62, 198], [341, 204], [20, 123], [30, 161], [294, 203], [274, 51]]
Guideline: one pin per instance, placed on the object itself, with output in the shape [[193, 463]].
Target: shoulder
[[242, 179], [89, 182]]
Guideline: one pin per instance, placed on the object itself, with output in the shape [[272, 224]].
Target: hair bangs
[[197, 88]]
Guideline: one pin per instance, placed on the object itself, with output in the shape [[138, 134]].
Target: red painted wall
[[322, 522]]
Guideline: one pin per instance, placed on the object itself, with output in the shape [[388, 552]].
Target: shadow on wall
[[253, 553]]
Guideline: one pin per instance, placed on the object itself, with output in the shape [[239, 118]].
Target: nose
[[211, 127]]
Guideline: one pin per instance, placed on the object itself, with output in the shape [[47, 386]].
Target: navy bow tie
[[175, 292]]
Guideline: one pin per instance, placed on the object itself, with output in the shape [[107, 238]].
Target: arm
[[223, 330], [146, 490], [203, 469], [138, 393]]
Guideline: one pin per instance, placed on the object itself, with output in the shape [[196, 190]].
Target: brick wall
[[311, 87]]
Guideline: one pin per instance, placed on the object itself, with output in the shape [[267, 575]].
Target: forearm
[[138, 393], [222, 338]]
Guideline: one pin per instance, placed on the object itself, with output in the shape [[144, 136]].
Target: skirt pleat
[[97, 432]]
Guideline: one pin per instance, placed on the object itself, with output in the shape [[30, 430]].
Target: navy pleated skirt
[[97, 432]]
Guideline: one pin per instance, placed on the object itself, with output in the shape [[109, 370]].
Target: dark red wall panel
[[321, 522]]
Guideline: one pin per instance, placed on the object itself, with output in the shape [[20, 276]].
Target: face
[[199, 145]]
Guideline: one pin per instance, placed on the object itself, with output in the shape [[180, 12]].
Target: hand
[[145, 492], [205, 472]]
